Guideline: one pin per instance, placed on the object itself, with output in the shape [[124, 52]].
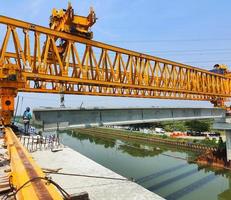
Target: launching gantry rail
[[45, 60]]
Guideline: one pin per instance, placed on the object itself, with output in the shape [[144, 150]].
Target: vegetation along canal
[[162, 169]]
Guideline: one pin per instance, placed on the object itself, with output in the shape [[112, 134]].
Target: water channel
[[161, 169]]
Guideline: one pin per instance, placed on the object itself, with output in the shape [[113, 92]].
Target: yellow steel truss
[[83, 66], [38, 59]]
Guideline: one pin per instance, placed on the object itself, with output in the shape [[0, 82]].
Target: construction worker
[[26, 120]]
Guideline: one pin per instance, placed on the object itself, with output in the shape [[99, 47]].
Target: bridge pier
[[225, 124], [228, 144]]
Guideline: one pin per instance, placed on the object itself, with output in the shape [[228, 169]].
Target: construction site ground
[[73, 162], [66, 160]]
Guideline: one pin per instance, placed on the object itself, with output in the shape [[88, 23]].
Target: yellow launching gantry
[[32, 59], [38, 62]]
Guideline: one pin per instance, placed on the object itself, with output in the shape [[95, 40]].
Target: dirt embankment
[[216, 158]]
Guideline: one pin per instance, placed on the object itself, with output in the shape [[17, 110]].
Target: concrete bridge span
[[61, 118]]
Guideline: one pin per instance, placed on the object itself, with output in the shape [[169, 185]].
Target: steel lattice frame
[[89, 67]]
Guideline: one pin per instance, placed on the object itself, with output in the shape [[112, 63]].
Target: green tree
[[197, 125], [174, 126]]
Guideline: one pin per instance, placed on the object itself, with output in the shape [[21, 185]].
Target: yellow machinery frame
[[88, 67], [94, 68], [67, 21]]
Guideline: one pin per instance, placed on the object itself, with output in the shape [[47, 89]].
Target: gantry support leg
[[7, 96], [8, 91]]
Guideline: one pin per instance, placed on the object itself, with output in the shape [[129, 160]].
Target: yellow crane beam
[[90, 67], [25, 175]]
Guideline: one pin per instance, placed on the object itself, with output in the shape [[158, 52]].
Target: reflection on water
[[161, 169], [96, 140]]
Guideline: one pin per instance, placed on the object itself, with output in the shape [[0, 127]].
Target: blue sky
[[195, 32]]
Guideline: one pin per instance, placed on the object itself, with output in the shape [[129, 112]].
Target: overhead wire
[[171, 40], [207, 61], [191, 50]]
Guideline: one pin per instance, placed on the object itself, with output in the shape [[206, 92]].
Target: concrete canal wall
[[73, 162]]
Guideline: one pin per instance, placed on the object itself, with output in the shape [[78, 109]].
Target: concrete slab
[[61, 118], [98, 189]]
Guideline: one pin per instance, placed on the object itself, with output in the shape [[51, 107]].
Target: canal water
[[161, 169]]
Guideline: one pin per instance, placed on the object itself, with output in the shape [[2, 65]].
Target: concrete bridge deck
[[60, 118]]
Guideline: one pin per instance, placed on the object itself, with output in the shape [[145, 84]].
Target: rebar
[[35, 143]]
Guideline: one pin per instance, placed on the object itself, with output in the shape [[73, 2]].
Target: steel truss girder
[[83, 66]]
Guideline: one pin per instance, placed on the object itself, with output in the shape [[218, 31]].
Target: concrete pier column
[[228, 144], [225, 125]]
